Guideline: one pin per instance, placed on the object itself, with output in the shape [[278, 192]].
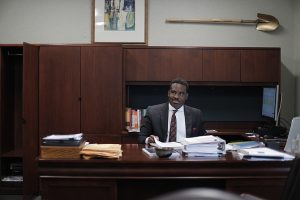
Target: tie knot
[[174, 111]]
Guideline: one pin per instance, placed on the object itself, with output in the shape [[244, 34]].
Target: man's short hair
[[180, 81]]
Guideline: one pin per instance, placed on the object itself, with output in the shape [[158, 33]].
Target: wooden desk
[[136, 176]]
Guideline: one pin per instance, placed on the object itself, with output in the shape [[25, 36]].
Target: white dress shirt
[[180, 122]]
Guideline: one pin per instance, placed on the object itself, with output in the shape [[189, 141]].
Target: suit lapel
[[188, 121], [164, 120]]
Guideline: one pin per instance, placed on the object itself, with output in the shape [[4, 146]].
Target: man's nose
[[176, 95]]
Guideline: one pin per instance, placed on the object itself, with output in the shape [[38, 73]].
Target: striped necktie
[[173, 128]]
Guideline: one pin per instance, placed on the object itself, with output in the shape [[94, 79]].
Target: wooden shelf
[[13, 154]]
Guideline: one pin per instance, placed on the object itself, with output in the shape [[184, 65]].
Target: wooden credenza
[[136, 176]]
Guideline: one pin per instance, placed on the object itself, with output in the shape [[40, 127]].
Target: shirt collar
[[171, 108]]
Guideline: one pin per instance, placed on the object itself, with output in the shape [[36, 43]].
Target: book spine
[[128, 118]]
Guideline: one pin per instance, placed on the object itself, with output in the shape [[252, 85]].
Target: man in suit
[[157, 122]]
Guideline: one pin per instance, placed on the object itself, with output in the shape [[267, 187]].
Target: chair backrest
[[291, 189], [294, 131], [199, 194]]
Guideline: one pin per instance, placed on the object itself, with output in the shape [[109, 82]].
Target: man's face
[[177, 95]]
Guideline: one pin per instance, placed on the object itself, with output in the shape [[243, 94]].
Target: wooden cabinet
[[260, 65], [69, 89], [162, 64], [101, 93], [80, 90], [11, 148], [203, 64], [221, 65], [59, 90], [31, 119]]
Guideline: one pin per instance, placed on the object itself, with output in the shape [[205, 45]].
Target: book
[[204, 146], [200, 154], [62, 151], [63, 140], [264, 153], [64, 137], [246, 145], [150, 151]]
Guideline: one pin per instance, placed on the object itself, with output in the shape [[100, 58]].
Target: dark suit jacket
[[155, 122]]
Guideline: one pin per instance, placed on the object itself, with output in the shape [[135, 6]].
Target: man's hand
[[151, 138]]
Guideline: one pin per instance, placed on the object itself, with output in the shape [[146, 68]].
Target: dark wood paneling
[[164, 64], [101, 87], [30, 116], [77, 188], [221, 65], [59, 90], [103, 138], [260, 65]]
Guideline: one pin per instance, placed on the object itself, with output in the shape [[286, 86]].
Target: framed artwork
[[120, 21]]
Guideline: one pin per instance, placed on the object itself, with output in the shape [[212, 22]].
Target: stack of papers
[[12, 179], [63, 140], [201, 146], [174, 145], [264, 153], [244, 145], [101, 151], [204, 146]]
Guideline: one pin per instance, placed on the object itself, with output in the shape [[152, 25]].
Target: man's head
[[178, 92]]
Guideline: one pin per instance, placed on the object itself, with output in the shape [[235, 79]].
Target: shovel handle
[[212, 21]]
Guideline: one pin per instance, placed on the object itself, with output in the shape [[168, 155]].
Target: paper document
[[64, 137], [167, 144], [200, 140], [264, 152], [244, 145]]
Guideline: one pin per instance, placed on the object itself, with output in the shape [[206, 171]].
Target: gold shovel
[[263, 23]]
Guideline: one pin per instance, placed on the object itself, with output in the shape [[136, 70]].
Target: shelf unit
[[11, 151]]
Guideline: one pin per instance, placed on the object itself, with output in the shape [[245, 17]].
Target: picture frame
[[120, 21]]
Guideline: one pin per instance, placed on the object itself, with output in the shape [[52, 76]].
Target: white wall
[[297, 54], [69, 21]]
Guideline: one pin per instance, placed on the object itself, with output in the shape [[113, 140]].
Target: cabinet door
[[221, 65], [163, 64], [260, 65], [101, 88], [59, 90], [30, 116]]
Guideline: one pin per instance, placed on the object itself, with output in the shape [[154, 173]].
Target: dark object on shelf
[[16, 168], [275, 131]]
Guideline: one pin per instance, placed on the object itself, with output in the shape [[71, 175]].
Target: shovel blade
[[266, 22]]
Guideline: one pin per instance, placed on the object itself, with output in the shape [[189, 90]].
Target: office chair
[[199, 194], [294, 131], [291, 189]]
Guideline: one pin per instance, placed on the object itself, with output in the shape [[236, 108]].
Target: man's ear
[[187, 96]]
